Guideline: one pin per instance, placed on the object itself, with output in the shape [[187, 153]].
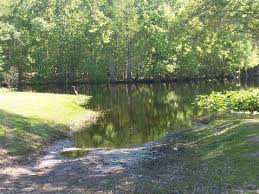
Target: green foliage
[[236, 101], [102, 40]]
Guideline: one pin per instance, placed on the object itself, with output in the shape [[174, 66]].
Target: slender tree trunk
[[20, 78], [129, 60], [110, 72], [246, 77]]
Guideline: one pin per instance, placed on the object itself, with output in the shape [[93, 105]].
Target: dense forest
[[107, 40]]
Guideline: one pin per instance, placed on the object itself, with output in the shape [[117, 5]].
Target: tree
[[104, 40]]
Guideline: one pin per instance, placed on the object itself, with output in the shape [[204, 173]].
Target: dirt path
[[155, 167], [100, 171]]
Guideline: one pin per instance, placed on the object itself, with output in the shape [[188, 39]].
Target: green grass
[[219, 155], [30, 120]]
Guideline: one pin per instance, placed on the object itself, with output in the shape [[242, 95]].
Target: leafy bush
[[232, 101], [10, 78]]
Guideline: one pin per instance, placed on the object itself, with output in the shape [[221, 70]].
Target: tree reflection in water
[[135, 114]]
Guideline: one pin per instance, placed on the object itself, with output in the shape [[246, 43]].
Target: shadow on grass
[[23, 134], [219, 157], [211, 159]]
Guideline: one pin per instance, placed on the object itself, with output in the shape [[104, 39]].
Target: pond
[[136, 114]]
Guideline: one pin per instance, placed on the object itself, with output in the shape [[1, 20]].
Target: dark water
[[135, 114]]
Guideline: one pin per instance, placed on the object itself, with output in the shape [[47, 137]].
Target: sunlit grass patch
[[50, 107], [30, 120], [4, 90]]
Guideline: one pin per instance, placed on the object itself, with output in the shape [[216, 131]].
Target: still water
[[136, 114]]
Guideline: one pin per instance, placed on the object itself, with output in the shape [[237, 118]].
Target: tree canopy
[[102, 40]]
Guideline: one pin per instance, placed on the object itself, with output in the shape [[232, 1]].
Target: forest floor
[[219, 157]]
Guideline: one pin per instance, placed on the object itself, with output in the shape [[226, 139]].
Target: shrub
[[231, 101]]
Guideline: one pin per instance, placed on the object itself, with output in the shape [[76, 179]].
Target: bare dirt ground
[[135, 170], [155, 167]]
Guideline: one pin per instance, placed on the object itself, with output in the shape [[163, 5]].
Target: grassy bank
[[30, 120], [221, 156]]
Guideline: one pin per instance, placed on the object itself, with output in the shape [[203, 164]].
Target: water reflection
[[136, 114]]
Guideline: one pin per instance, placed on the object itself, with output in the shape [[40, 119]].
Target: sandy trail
[[100, 171]]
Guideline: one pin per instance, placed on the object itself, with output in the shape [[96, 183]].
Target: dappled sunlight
[[97, 165], [16, 172], [215, 153], [215, 130], [227, 129]]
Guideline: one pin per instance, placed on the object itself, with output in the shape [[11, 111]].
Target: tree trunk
[[20, 77], [246, 77], [129, 60]]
